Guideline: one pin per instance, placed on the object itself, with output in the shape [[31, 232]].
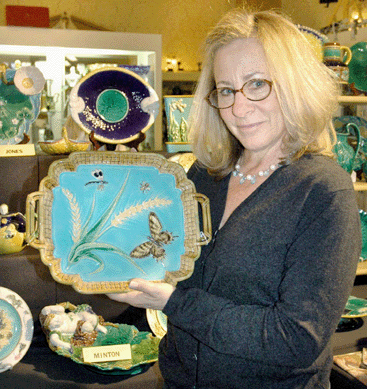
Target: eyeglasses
[[254, 90]]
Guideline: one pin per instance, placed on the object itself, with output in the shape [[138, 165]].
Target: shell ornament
[[29, 80]]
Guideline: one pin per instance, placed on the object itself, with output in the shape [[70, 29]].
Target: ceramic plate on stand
[[115, 103], [16, 329]]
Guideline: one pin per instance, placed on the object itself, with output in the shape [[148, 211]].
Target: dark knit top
[[267, 293]]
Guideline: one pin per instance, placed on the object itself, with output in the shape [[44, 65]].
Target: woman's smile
[[249, 126]]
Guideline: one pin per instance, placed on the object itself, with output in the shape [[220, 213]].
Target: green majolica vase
[[347, 156]]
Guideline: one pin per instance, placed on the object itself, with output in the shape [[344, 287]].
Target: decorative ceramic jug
[[346, 154], [337, 58]]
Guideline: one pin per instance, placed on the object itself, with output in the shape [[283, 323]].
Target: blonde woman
[[268, 291]]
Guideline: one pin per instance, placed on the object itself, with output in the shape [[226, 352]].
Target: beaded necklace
[[252, 177]]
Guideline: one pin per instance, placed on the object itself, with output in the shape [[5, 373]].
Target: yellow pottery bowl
[[64, 145]]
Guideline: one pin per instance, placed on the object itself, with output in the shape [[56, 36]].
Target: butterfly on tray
[[154, 245]]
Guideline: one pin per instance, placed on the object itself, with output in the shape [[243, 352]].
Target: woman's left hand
[[146, 294]]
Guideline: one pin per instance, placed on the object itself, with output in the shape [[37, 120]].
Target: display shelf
[[56, 51], [352, 99], [180, 76], [362, 268], [360, 186]]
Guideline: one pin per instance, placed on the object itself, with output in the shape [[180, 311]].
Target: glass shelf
[[352, 99]]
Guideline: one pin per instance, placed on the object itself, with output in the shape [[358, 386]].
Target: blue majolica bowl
[[115, 104]]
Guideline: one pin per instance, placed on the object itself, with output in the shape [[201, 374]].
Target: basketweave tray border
[[191, 222]]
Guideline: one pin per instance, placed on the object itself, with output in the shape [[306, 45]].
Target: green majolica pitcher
[[345, 153]]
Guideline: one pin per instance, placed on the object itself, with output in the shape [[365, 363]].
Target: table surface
[[43, 369]]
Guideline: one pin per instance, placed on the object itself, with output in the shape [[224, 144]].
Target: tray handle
[[32, 220], [206, 234]]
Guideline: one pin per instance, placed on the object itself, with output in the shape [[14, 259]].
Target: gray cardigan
[[268, 291]]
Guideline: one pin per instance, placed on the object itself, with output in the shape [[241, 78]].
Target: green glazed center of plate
[[112, 105], [10, 328]]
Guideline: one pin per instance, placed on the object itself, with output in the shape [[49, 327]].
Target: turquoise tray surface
[[110, 217]]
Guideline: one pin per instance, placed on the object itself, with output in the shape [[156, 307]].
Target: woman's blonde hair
[[306, 90]]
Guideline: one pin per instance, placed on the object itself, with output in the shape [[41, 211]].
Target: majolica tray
[[103, 218], [115, 103]]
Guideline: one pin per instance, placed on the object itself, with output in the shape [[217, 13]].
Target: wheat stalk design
[[75, 212], [134, 209]]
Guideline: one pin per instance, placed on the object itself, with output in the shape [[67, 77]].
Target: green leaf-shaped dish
[[144, 346]]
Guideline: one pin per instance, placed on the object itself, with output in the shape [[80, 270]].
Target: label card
[[107, 353], [17, 150]]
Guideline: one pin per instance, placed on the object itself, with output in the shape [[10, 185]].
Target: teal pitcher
[[345, 153]]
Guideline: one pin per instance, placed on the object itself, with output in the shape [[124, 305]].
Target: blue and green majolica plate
[[115, 103]]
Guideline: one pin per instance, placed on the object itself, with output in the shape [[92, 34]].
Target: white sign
[[107, 353], [17, 150]]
